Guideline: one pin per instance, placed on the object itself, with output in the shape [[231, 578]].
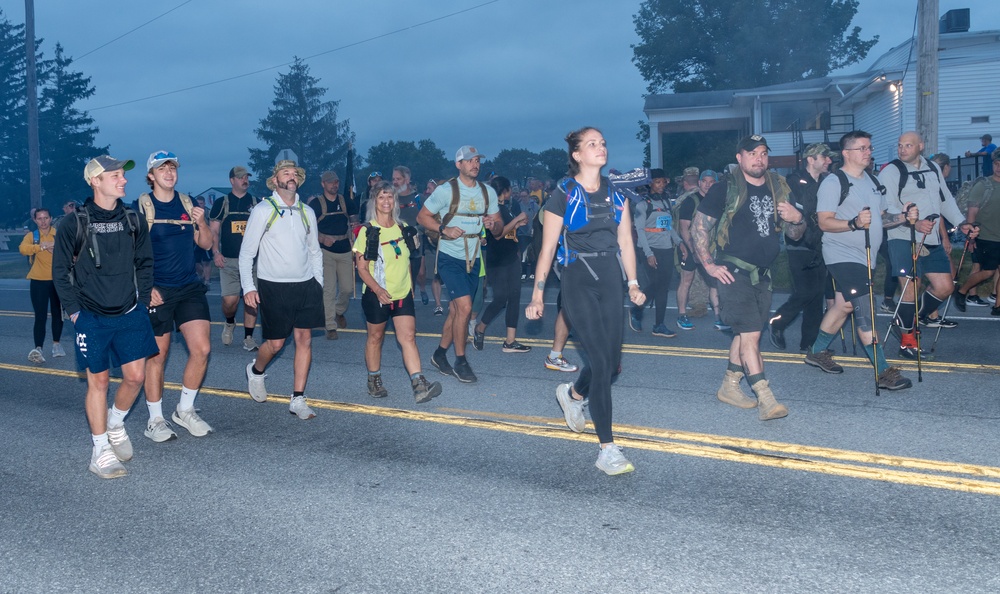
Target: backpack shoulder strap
[[146, 208], [486, 198], [903, 175], [845, 185], [878, 185], [937, 172], [188, 206], [455, 198]]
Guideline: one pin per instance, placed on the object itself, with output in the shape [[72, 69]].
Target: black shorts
[[987, 254], [850, 279], [376, 313], [180, 305], [745, 306], [285, 306]]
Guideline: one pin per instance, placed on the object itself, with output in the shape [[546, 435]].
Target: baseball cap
[[99, 165], [691, 172], [329, 176], [467, 152], [238, 171], [374, 174], [709, 173], [656, 173], [751, 142], [159, 158], [818, 149], [996, 155]]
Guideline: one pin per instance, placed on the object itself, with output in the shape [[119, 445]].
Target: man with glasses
[[913, 179]]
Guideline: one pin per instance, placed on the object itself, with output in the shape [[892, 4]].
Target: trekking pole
[[854, 335], [917, 302], [954, 281], [915, 249], [843, 342], [871, 302]]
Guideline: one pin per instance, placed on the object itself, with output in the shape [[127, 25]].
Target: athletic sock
[[930, 304], [155, 409], [440, 352], [187, 398], [555, 355], [907, 309], [297, 394], [376, 372], [416, 375], [875, 353], [247, 332], [231, 320], [99, 440], [734, 367], [117, 417], [823, 340], [459, 359], [753, 379], [253, 370]]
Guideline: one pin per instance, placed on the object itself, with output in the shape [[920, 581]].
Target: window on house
[[784, 116], [980, 119]]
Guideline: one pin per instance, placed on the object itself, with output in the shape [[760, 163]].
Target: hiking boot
[[731, 393], [612, 461], [892, 379], [777, 337], [423, 390], [158, 430], [57, 350], [249, 344], [121, 445], [824, 361], [441, 362], [662, 330], [190, 420], [938, 322], [35, 356], [255, 384], [298, 407], [105, 464], [514, 347], [635, 322], [227, 333], [975, 300], [684, 323], [767, 407], [375, 387], [559, 364], [477, 339], [331, 335], [571, 407], [960, 300], [463, 371], [341, 321]]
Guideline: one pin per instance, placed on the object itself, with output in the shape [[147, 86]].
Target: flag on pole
[[349, 188]]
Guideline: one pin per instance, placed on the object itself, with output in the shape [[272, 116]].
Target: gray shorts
[[745, 306], [229, 277]]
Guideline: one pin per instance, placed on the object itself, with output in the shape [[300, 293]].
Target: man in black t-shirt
[[334, 215], [749, 209], [228, 221]]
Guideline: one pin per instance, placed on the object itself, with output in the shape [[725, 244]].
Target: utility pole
[[34, 156], [927, 73]]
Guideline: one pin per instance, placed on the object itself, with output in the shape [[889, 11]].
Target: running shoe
[[227, 333], [938, 322], [571, 407], [298, 407], [423, 297], [612, 461], [722, 326], [35, 356], [560, 364], [662, 330], [159, 430], [888, 305], [514, 347], [995, 311], [441, 363], [992, 298], [684, 323], [249, 344], [960, 300], [439, 311], [634, 322], [57, 349], [190, 420], [255, 384], [121, 445], [463, 371], [478, 338], [975, 300], [777, 336], [105, 464]]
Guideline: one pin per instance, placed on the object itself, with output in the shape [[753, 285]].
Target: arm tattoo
[[795, 231], [540, 285], [890, 220], [701, 226]]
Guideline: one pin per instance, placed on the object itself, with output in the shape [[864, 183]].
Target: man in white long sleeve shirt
[[281, 233]]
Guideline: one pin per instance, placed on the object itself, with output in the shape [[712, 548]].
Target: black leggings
[[661, 276], [43, 294], [594, 310], [506, 282]]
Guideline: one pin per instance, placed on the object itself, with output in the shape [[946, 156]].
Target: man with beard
[[749, 210], [333, 217]]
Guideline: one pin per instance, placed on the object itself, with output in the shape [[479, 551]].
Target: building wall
[[880, 117]]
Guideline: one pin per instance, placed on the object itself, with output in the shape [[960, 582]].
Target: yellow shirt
[[392, 269], [41, 265]]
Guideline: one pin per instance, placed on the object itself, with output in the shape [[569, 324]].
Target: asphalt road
[[485, 489]]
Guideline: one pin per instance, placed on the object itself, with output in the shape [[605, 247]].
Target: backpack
[[735, 196], [904, 175], [148, 208], [84, 235], [845, 184], [36, 239], [372, 240], [225, 207], [277, 211], [578, 208], [433, 234], [322, 207], [962, 197]]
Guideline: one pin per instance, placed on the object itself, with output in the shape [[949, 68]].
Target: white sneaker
[[612, 461], [249, 344], [572, 408], [159, 430], [190, 420], [255, 383], [227, 333], [121, 445], [105, 464], [35, 356], [57, 350], [298, 407]]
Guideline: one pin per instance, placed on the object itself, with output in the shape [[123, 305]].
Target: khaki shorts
[[229, 277]]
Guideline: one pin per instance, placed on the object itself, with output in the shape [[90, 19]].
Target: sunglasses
[[395, 247], [164, 155], [374, 174]]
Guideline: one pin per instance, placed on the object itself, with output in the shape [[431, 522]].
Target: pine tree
[[14, 197], [299, 119]]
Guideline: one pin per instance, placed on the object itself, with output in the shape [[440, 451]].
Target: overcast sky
[[501, 74]]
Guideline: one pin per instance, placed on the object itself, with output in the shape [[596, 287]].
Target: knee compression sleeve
[[862, 313]]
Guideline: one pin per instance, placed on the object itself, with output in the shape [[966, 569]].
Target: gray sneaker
[[255, 383], [120, 443], [227, 333], [57, 350], [298, 407], [571, 407], [158, 430], [105, 464], [612, 461], [190, 420], [35, 356], [249, 344]]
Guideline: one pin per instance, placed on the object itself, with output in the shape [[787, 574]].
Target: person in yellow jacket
[[38, 245]]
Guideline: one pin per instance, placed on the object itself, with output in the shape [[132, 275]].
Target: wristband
[[633, 283], [441, 229], [852, 225]]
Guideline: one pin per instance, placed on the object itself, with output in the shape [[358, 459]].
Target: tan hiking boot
[[731, 393], [767, 407]]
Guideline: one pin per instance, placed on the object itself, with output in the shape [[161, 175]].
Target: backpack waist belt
[[756, 272], [582, 257], [653, 230]]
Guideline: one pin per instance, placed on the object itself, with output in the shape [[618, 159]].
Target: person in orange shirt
[[38, 245]]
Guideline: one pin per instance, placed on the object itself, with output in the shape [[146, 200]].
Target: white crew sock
[[187, 398], [117, 417], [155, 409]]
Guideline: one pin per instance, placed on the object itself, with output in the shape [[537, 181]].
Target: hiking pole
[[914, 250], [954, 281], [854, 335], [871, 302], [917, 301], [843, 342]]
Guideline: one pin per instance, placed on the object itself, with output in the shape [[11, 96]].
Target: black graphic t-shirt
[[754, 236]]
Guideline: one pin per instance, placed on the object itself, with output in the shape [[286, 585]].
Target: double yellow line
[[954, 476]]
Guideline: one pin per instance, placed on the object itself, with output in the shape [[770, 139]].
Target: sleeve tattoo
[[701, 227], [890, 220]]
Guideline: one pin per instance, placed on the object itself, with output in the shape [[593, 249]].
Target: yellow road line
[[952, 476]]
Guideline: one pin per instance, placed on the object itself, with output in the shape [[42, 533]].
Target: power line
[[307, 58], [132, 30]]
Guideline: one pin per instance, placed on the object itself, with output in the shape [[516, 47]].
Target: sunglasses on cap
[[164, 155], [374, 174]]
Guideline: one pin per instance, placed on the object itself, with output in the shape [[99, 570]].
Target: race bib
[[663, 221], [238, 227]]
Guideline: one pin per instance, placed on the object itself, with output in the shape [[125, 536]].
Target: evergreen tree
[[424, 159], [556, 162], [66, 134], [299, 119], [14, 199]]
